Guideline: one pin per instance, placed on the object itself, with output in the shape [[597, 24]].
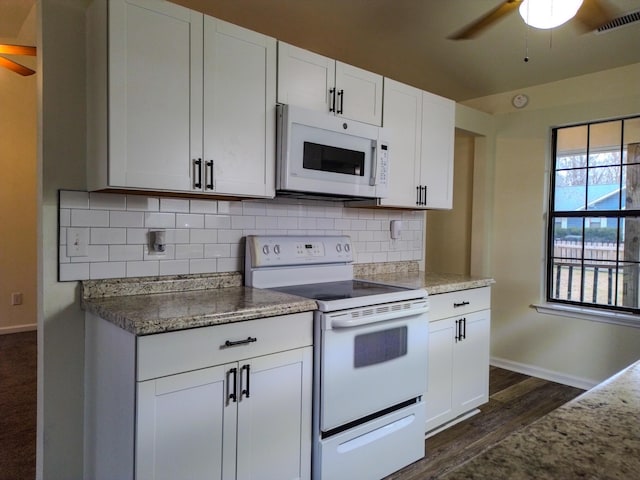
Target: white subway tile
[[174, 267], [230, 236], [107, 201], [372, 247], [216, 250], [364, 257], [142, 203], [89, 218], [394, 256], [229, 208], [189, 220], [351, 213], [108, 236], [107, 270], [358, 224], [297, 210], [254, 231], [174, 205], [62, 254], [201, 265], [326, 223], [203, 236], [74, 199], [237, 249], [203, 206], [64, 217], [374, 225], [230, 264], [333, 212], [122, 253], [181, 235], [73, 271], [126, 219], [143, 269], [95, 253], [239, 222], [365, 236], [189, 251], [380, 257], [307, 223], [266, 222], [168, 254], [254, 208], [295, 232], [277, 210], [139, 236], [340, 224], [62, 235], [159, 220], [217, 221], [365, 214], [287, 223]]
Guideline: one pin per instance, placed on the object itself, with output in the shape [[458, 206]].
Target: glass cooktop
[[339, 290]]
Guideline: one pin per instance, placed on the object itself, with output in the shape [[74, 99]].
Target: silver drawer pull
[[236, 343], [461, 304]]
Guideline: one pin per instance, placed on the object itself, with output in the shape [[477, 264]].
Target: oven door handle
[[348, 321]]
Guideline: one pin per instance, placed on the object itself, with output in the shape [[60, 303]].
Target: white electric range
[[370, 355]]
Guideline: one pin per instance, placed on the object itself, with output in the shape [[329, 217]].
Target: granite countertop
[[594, 436], [154, 308], [433, 283]]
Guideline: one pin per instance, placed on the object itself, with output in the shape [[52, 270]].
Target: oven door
[[372, 358]]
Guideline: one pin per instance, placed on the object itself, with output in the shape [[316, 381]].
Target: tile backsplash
[[206, 236]]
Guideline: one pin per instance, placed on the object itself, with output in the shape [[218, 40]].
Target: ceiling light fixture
[[547, 14]]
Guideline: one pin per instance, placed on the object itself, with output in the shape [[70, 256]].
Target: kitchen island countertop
[[595, 436]]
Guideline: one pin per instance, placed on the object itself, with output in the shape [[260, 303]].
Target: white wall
[[576, 350], [62, 159]]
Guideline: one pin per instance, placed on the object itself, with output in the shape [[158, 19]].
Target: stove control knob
[[265, 249], [276, 249], [347, 247], [338, 248]]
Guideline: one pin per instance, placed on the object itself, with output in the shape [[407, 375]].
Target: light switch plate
[[77, 242]]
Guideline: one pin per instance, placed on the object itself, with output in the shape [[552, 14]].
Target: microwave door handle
[[374, 164]]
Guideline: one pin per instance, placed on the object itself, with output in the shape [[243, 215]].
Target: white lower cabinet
[[241, 420], [458, 372], [187, 405]]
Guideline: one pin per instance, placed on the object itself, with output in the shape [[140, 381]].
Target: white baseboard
[[18, 329], [553, 376]]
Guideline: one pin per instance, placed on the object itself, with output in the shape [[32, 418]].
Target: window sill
[[591, 314]]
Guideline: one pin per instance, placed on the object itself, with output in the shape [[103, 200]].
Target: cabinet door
[[155, 58], [436, 166], [305, 78], [403, 123], [274, 417], [182, 423], [239, 109], [439, 400], [359, 94], [471, 362]]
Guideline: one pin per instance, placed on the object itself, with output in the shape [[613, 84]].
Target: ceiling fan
[[16, 50], [589, 15]]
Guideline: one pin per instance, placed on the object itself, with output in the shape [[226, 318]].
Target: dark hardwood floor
[[515, 400], [18, 360]]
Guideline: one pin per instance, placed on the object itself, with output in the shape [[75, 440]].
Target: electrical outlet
[[77, 242], [16, 298]]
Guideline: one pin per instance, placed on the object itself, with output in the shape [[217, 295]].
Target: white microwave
[[324, 155]]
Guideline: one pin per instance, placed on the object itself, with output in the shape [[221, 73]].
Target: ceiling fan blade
[[594, 13], [17, 50], [16, 67], [486, 20]]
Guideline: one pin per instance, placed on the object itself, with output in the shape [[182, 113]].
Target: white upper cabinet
[[420, 127], [436, 158], [239, 110], [310, 80], [179, 101]]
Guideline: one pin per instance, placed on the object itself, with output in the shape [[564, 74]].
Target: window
[[594, 216]]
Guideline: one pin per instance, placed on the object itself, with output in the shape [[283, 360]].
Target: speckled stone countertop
[[146, 306], [594, 436], [433, 283]]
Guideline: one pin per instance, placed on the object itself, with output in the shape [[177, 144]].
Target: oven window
[[379, 347], [331, 159]]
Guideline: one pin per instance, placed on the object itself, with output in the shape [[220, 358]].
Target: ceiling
[[407, 40]]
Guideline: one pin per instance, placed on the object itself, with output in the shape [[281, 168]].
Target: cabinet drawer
[[185, 350], [459, 303]]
